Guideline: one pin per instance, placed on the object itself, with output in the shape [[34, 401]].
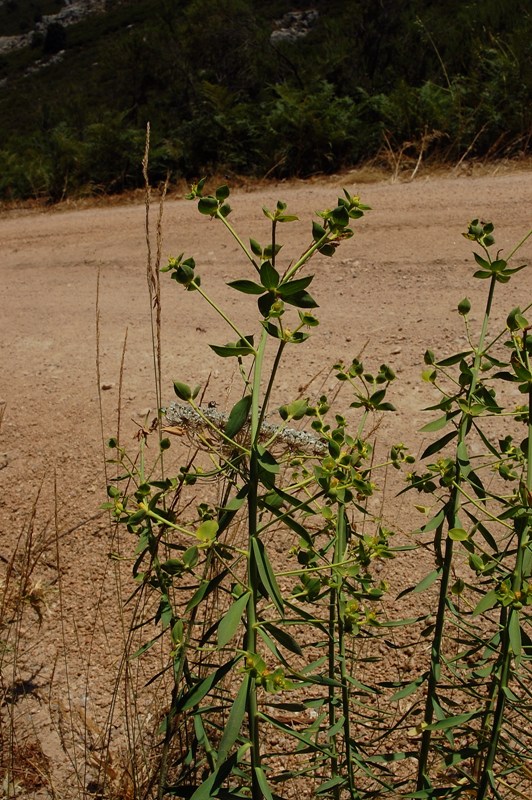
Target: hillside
[[270, 88]]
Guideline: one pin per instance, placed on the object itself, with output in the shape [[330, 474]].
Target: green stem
[[253, 574], [341, 545], [503, 673], [452, 518], [273, 373], [519, 245], [335, 624], [178, 670], [308, 254], [332, 677], [162, 521], [237, 238], [222, 314], [256, 413]]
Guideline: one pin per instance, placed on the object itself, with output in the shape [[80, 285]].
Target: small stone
[[106, 386]]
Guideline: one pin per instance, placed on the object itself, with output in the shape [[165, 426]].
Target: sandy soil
[[391, 292]]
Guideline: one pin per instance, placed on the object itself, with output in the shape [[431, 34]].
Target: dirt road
[[389, 292]]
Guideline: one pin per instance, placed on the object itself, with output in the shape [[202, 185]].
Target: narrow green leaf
[[226, 514], [240, 348], [204, 589], [484, 672], [462, 454], [144, 648], [271, 645], [427, 581], [438, 445], [198, 692], [324, 788], [247, 287], [455, 359], [238, 501], [263, 783], [283, 638], [267, 574], [434, 522], [514, 632], [293, 524], [488, 601], [294, 733], [452, 722], [233, 725], [231, 620], [435, 425], [407, 690], [205, 790], [301, 300], [209, 788], [295, 286], [238, 416], [336, 728], [399, 623]]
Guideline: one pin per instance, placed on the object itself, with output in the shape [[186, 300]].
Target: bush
[[310, 132]]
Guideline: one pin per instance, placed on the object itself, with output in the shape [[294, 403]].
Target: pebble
[[106, 386]]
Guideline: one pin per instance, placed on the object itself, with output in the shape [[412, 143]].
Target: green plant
[[257, 556], [300, 624], [479, 658]]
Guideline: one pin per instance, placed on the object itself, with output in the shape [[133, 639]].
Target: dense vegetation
[[445, 80]]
